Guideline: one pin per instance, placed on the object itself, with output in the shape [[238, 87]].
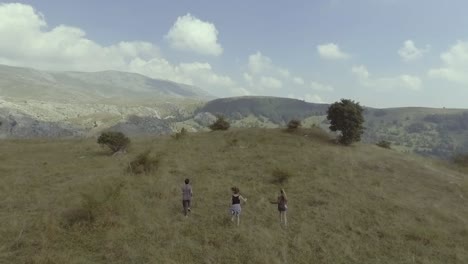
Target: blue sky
[[382, 53]]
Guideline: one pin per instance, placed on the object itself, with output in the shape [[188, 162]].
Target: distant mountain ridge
[[35, 103], [68, 104], [29, 83]]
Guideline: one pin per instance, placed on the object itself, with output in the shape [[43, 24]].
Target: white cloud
[[410, 52], [259, 63], [263, 75], [248, 78], [25, 40], [270, 82], [386, 83], [195, 73], [192, 34], [298, 80], [311, 98], [321, 87], [331, 51], [455, 64], [361, 72]]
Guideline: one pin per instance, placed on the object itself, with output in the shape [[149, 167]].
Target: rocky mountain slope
[[40, 103], [89, 87]]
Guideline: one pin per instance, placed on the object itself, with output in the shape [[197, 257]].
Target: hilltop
[[358, 204]]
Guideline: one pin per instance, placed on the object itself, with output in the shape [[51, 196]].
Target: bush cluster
[[384, 144], [181, 134], [461, 159], [220, 124], [294, 124], [115, 141]]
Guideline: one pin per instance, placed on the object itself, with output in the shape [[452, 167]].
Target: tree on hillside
[[346, 117], [294, 124], [115, 141], [220, 124]]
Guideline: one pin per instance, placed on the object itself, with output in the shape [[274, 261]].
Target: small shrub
[[380, 113], [280, 176], [416, 128], [461, 159], [77, 216], [143, 163], [220, 124], [181, 134], [232, 142], [98, 204], [294, 124], [115, 141], [384, 144]]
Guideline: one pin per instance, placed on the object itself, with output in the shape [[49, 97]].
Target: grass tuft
[[143, 163], [280, 176]]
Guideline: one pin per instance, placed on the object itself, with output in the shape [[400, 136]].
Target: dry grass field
[[69, 201]]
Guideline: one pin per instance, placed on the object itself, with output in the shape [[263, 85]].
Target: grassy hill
[[274, 109], [68, 201], [429, 131]]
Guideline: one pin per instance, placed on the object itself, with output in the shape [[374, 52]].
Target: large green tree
[[346, 117]]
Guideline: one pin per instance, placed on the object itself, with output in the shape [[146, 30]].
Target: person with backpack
[[282, 202], [235, 204], [187, 197]]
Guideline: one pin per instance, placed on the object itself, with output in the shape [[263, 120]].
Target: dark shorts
[[282, 208], [186, 203]]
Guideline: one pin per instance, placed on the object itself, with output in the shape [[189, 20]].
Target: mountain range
[[36, 103]]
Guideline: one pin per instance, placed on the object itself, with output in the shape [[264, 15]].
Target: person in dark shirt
[[187, 197], [235, 204], [282, 202]]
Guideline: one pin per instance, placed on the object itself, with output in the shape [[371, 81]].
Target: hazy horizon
[[385, 53]]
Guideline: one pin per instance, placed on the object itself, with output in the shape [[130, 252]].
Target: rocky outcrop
[[204, 119], [17, 125], [142, 126]]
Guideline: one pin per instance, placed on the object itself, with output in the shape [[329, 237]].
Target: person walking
[[187, 197], [282, 202], [235, 204]]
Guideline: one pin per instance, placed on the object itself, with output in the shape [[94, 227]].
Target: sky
[[381, 53]]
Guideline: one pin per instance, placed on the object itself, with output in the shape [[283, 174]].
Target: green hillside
[[429, 131], [69, 201], [275, 109]]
